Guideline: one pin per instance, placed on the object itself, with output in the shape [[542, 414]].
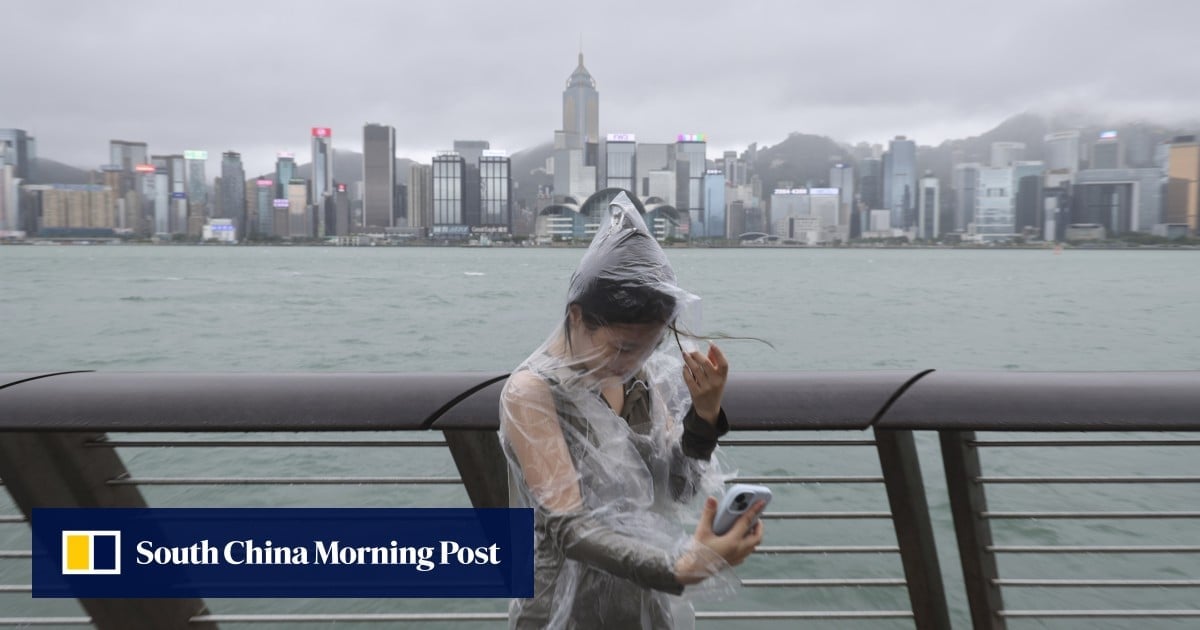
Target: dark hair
[[606, 302]]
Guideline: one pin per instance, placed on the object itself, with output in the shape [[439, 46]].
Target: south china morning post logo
[[283, 552], [86, 552]]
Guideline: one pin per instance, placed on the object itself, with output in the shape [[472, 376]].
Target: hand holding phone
[[739, 498]]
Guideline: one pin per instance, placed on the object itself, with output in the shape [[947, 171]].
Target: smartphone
[[736, 501]]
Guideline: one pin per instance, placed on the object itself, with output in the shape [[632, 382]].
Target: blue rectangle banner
[[282, 552]]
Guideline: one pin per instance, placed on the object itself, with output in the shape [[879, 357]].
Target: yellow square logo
[[91, 552]]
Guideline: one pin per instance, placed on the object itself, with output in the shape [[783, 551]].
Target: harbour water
[[145, 308]]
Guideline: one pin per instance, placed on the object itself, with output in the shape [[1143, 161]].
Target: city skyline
[[756, 74]]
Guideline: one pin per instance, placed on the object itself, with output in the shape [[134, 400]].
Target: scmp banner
[[283, 552]]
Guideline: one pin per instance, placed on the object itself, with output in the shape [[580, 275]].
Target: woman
[[607, 446]]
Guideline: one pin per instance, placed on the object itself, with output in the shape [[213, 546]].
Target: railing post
[[914, 530], [481, 464], [974, 533], [58, 470]]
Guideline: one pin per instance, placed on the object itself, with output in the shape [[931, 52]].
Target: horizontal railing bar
[[13, 519], [45, 621], [18, 553], [501, 616], [825, 582], [826, 515], [828, 549], [282, 481], [16, 588], [787, 442], [1094, 549], [1122, 583], [807, 479], [1114, 479], [807, 614], [1087, 515], [263, 443], [1083, 614], [1083, 442]]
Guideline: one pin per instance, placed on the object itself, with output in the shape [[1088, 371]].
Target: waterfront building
[[714, 218], [495, 190], [448, 171], [690, 165], [964, 186], [841, 177], [285, 171], [197, 191], [1121, 199], [233, 192], [995, 211], [929, 200], [620, 162], [299, 213], [420, 197], [870, 182], [379, 177], [264, 208], [322, 174], [1028, 203], [653, 157], [900, 182], [1183, 184], [576, 145]]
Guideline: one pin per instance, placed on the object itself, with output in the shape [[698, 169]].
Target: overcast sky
[[255, 76]]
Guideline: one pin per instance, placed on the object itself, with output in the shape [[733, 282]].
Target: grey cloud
[[255, 76]]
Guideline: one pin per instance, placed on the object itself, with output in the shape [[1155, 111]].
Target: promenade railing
[[60, 437]]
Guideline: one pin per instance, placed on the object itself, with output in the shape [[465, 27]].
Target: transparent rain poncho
[[616, 493]]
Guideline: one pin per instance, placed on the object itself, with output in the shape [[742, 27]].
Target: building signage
[[1108, 135], [341, 188], [281, 203], [494, 153], [264, 183], [714, 171], [179, 195], [322, 132], [144, 168], [823, 191], [195, 155], [690, 137], [621, 137]]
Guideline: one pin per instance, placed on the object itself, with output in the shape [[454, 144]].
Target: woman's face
[[615, 351]]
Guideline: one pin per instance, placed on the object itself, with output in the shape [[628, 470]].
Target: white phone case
[[736, 501]]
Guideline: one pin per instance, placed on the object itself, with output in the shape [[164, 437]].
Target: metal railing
[[55, 452]]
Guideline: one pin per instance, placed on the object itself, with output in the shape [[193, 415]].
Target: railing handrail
[[339, 401]]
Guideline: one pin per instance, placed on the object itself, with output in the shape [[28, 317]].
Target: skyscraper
[[714, 205], [1028, 204], [322, 173], [420, 196], [964, 184], [379, 176], [994, 205], [448, 221], [841, 177], [577, 144], [233, 192], [495, 189], [900, 182], [620, 162], [197, 191], [929, 208], [690, 165], [1183, 183], [18, 153], [870, 183], [285, 170]]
